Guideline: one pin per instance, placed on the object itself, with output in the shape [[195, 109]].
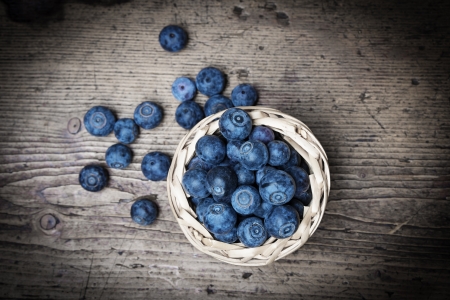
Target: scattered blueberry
[[195, 183], [197, 162], [298, 206], [282, 222], [202, 207], [263, 171], [229, 237], [264, 209], [263, 134], [233, 149], [254, 155], [305, 197], [244, 95], [173, 38], [277, 187], [251, 232], [217, 103], [211, 149], [279, 153], [155, 166], [118, 156], [144, 212], [210, 81], [126, 130], [99, 121], [301, 179], [184, 89], [245, 200], [148, 115], [222, 181], [93, 178], [219, 218], [244, 175], [235, 124], [188, 114]]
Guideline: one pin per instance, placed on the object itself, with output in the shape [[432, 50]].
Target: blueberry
[[217, 103], [282, 222], [211, 149], [93, 178], [224, 199], [245, 200], [233, 148], [219, 218], [277, 187], [210, 81], [188, 114], [254, 155], [262, 134], [264, 209], [202, 208], [184, 89], [301, 179], [263, 171], [229, 237], [305, 197], [251, 232], [197, 162], [235, 124], [222, 181], [148, 115], [298, 206], [99, 121], [126, 130], [244, 95], [144, 212], [294, 160], [155, 166], [244, 175], [173, 38], [279, 153], [304, 166], [226, 162], [196, 200], [195, 183], [118, 156]]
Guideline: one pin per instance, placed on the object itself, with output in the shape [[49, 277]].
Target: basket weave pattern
[[300, 137]]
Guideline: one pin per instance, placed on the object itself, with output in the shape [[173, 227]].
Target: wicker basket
[[300, 137]]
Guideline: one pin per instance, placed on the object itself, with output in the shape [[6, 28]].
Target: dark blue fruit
[[244, 175], [93, 178], [301, 179], [188, 114], [99, 121], [196, 201], [229, 237], [263, 171], [226, 162], [202, 207], [251, 232], [262, 134], [282, 222], [210, 81], [118, 156], [298, 206], [195, 183], [294, 160], [263, 210], [235, 124], [277, 187], [144, 212], [126, 130], [197, 162], [173, 38], [245, 200], [279, 153], [217, 103], [304, 166], [211, 149], [233, 149], [254, 155], [148, 115], [222, 181], [244, 95], [219, 218], [184, 89], [155, 166], [224, 199], [305, 197]]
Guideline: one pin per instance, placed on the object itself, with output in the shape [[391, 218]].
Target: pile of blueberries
[[247, 184]]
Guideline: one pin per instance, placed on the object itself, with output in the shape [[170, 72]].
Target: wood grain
[[371, 80]]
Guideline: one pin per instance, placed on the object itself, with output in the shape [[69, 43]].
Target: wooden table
[[370, 79]]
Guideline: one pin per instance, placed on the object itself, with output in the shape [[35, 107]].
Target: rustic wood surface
[[371, 79]]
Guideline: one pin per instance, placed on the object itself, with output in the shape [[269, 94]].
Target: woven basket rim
[[298, 135]]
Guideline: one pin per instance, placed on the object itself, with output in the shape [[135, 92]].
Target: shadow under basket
[[300, 137]]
